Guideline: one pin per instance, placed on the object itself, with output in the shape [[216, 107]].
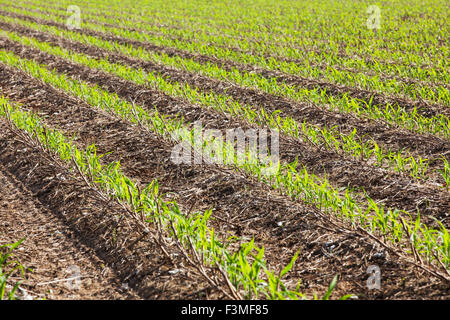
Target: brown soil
[[50, 248], [66, 226], [241, 206], [395, 190]]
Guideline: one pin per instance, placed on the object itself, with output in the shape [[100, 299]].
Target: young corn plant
[[8, 266], [445, 173]]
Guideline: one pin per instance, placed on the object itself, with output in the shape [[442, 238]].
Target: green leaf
[[290, 265], [330, 288]]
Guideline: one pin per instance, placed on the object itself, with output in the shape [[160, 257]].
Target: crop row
[[242, 269]]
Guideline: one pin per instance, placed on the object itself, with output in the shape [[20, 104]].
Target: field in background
[[225, 149]]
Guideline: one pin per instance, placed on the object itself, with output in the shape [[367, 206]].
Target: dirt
[[241, 206], [68, 230], [394, 190], [51, 249]]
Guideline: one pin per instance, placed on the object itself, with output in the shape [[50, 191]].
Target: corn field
[[117, 181]]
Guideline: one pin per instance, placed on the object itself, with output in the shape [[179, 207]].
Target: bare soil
[[68, 229], [241, 206], [394, 190]]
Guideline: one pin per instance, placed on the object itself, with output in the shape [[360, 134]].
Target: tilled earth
[[75, 244], [242, 207], [51, 250], [70, 231]]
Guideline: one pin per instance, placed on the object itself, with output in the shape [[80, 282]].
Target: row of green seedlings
[[9, 266], [347, 143], [414, 89], [267, 41], [230, 28], [160, 12], [394, 225], [401, 117], [245, 269], [259, 48], [392, 114], [350, 144], [292, 68], [439, 93]]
